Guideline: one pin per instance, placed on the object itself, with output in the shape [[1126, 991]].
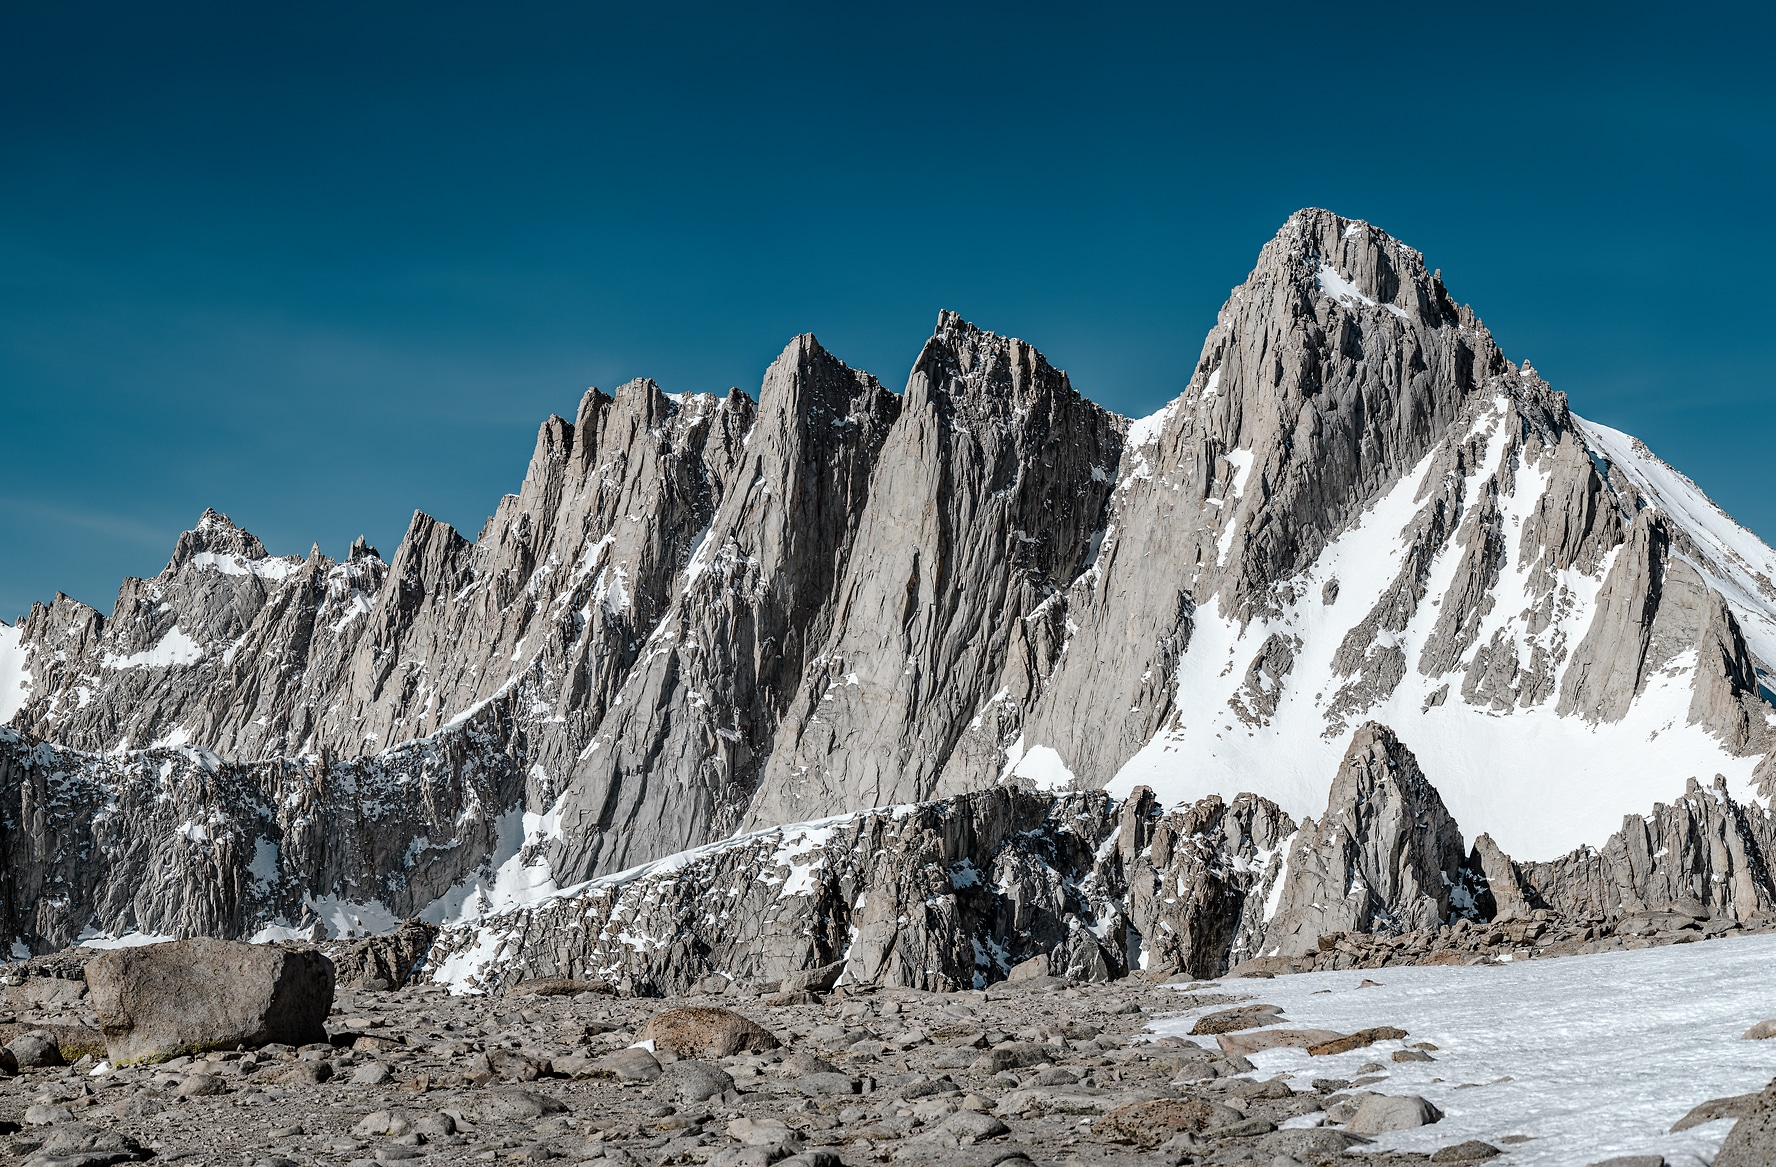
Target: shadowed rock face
[[1385, 857], [702, 614], [948, 893]]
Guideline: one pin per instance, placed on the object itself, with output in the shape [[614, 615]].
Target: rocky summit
[[940, 722]]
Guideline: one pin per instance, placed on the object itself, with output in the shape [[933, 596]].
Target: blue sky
[[321, 266]]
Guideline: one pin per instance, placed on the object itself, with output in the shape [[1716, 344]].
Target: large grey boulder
[[1380, 1113], [186, 996]]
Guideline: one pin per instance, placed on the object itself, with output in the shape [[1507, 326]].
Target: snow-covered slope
[[1539, 779], [1736, 562]]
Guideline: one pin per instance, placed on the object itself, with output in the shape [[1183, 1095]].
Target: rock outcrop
[[1385, 857], [947, 893]]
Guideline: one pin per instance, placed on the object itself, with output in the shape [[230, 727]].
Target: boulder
[[1759, 1032], [703, 1031], [512, 1104], [1737, 1106], [1380, 1113], [1251, 1041], [1234, 1020], [34, 1051], [557, 987], [1357, 1040], [163, 1000], [813, 980], [692, 1081], [1148, 1124], [627, 1065], [1471, 1151], [1752, 1141], [85, 1145]]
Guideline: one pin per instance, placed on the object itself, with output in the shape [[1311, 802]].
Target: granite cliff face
[[704, 615]]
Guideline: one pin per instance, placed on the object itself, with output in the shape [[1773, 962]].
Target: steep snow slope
[[1737, 563]]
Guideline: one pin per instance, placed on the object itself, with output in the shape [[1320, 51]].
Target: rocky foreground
[[1039, 1070]]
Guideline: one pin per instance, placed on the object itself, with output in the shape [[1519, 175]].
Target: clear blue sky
[[319, 265]]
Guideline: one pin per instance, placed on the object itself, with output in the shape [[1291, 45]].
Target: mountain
[[706, 615]]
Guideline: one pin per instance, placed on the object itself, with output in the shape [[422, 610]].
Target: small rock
[[1412, 1055], [201, 1086], [761, 1132], [373, 1074], [1760, 1031], [382, 1122], [43, 1114], [816, 1085], [1631, 1161], [1472, 1151], [974, 1125]]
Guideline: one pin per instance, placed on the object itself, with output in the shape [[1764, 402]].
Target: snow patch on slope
[[15, 672], [173, 648]]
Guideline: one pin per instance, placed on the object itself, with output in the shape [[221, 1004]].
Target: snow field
[[1589, 1056]]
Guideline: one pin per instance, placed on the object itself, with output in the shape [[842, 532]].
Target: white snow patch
[[15, 674], [1591, 1056], [272, 567], [90, 937], [174, 648], [700, 545], [265, 862], [1241, 461], [796, 844], [513, 884], [1043, 768]]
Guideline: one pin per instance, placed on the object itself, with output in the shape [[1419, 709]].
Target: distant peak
[[216, 534]]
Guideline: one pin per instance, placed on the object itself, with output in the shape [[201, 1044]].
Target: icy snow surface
[[1602, 1053], [15, 677]]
